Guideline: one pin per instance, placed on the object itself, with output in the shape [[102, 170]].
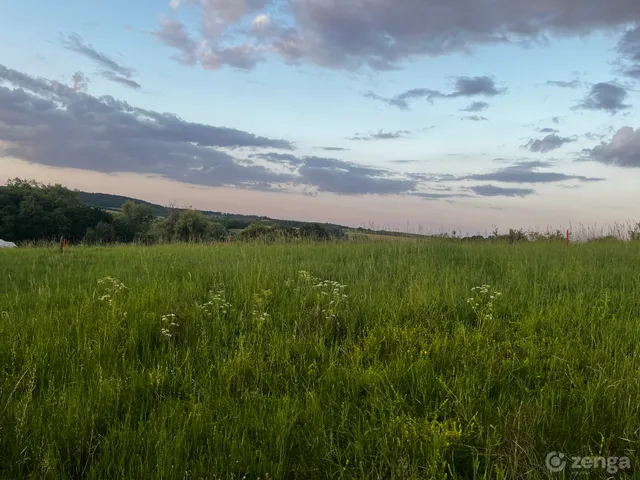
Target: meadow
[[303, 361]]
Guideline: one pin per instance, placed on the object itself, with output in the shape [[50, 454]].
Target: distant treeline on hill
[[33, 212], [30, 211], [231, 221]]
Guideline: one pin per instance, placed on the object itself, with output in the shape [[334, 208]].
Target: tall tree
[[33, 211]]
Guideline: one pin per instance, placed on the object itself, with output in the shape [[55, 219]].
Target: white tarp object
[[4, 244]]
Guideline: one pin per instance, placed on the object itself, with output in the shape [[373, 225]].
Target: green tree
[[217, 231], [102, 234], [167, 227], [133, 222], [191, 226], [33, 211], [255, 231], [314, 231]]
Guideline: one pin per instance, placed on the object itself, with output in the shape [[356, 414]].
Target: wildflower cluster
[[111, 288], [482, 302], [260, 301], [306, 276], [217, 304], [169, 325], [330, 294]]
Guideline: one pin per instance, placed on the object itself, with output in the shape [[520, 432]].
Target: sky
[[414, 115]]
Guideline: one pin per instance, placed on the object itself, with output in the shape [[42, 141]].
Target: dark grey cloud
[[476, 107], [333, 149], [464, 87], [404, 162], [564, 84], [127, 82], [475, 118], [555, 119], [108, 67], [440, 196], [402, 100], [548, 143], [337, 176], [50, 124], [495, 191], [606, 96], [527, 172], [381, 135], [381, 36], [548, 130], [332, 175], [629, 49], [473, 86], [622, 151]]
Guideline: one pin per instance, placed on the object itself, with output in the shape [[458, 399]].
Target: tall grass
[[227, 362]]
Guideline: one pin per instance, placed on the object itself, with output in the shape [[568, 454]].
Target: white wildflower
[[482, 302]]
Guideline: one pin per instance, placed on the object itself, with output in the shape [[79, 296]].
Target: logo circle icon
[[555, 461]]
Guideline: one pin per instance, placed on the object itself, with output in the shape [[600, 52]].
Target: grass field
[[371, 365]]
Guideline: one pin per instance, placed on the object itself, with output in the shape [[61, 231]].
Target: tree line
[[31, 211]]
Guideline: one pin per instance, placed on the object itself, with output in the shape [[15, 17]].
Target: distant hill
[[113, 203], [232, 221]]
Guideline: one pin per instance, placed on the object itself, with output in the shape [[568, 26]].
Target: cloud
[[404, 162], [629, 49], [440, 196], [108, 68], [548, 130], [241, 57], [475, 118], [476, 107], [380, 36], [622, 151], [333, 149], [80, 82], [548, 143], [464, 87], [121, 80], [527, 172], [595, 136], [381, 135], [433, 177], [562, 84], [555, 119], [401, 101], [494, 191], [50, 124], [174, 34], [337, 176], [472, 86], [280, 158], [605, 96]]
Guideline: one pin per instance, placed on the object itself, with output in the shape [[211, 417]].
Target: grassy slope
[[87, 391], [114, 203]]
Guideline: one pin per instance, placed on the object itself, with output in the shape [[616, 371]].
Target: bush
[[102, 234]]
